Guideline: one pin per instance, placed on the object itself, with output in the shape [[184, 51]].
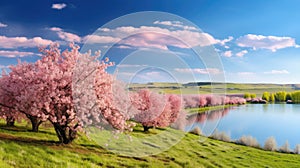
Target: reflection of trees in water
[[202, 117]]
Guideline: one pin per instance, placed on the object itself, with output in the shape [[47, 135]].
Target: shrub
[[247, 95], [266, 96], [297, 149], [272, 97], [196, 131], [270, 144], [253, 95], [280, 96], [285, 148], [296, 97], [222, 136], [248, 141]]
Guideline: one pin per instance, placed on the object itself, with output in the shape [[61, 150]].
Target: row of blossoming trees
[[196, 101], [73, 90]]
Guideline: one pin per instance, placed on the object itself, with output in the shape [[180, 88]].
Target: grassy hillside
[[206, 87], [22, 148]]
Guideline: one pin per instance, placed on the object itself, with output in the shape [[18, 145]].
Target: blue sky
[[256, 41]]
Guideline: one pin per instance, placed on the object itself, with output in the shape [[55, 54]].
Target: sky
[[250, 41]]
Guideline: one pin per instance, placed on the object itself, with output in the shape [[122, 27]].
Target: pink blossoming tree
[[156, 110]]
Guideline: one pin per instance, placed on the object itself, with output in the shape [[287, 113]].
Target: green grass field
[[22, 148], [205, 88]]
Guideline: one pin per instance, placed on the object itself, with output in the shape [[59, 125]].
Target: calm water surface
[[261, 121]]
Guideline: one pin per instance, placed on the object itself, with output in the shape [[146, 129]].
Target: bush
[[285, 148], [295, 96], [248, 141], [247, 95], [272, 97], [253, 95], [297, 149], [280, 96], [270, 144], [222, 136], [266, 96], [196, 131]]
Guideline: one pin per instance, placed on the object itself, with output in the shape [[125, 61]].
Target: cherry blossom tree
[[15, 97], [196, 101], [156, 110]]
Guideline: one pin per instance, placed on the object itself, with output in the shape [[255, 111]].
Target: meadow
[[20, 147], [207, 87]]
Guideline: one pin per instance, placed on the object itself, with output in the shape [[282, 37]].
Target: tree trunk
[[146, 128], [35, 123], [65, 134], [10, 121]]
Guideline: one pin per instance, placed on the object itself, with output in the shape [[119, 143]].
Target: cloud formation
[[176, 24], [155, 37], [66, 36], [241, 53], [96, 39], [13, 54], [227, 53], [59, 6], [272, 43], [3, 25], [15, 42], [277, 72]]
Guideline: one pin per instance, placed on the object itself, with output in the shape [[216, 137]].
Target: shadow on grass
[[23, 129], [33, 141], [56, 145]]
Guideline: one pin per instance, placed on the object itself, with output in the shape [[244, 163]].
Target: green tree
[[272, 97], [266, 96], [288, 96], [296, 97], [247, 95], [280, 96], [253, 95]]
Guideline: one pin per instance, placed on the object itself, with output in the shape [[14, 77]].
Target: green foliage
[[247, 95], [253, 95], [280, 96], [295, 96], [266, 96], [272, 97], [288, 96]]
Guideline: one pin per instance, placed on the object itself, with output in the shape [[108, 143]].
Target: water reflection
[[206, 121]]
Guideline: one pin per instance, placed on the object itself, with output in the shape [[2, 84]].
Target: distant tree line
[[281, 96]]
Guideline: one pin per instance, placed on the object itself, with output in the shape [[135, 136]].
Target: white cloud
[[59, 6], [175, 24], [277, 72], [155, 37], [66, 36], [223, 42], [245, 73], [95, 39], [241, 53], [227, 53], [12, 54], [272, 43], [15, 42], [3, 25], [198, 70], [57, 29]]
